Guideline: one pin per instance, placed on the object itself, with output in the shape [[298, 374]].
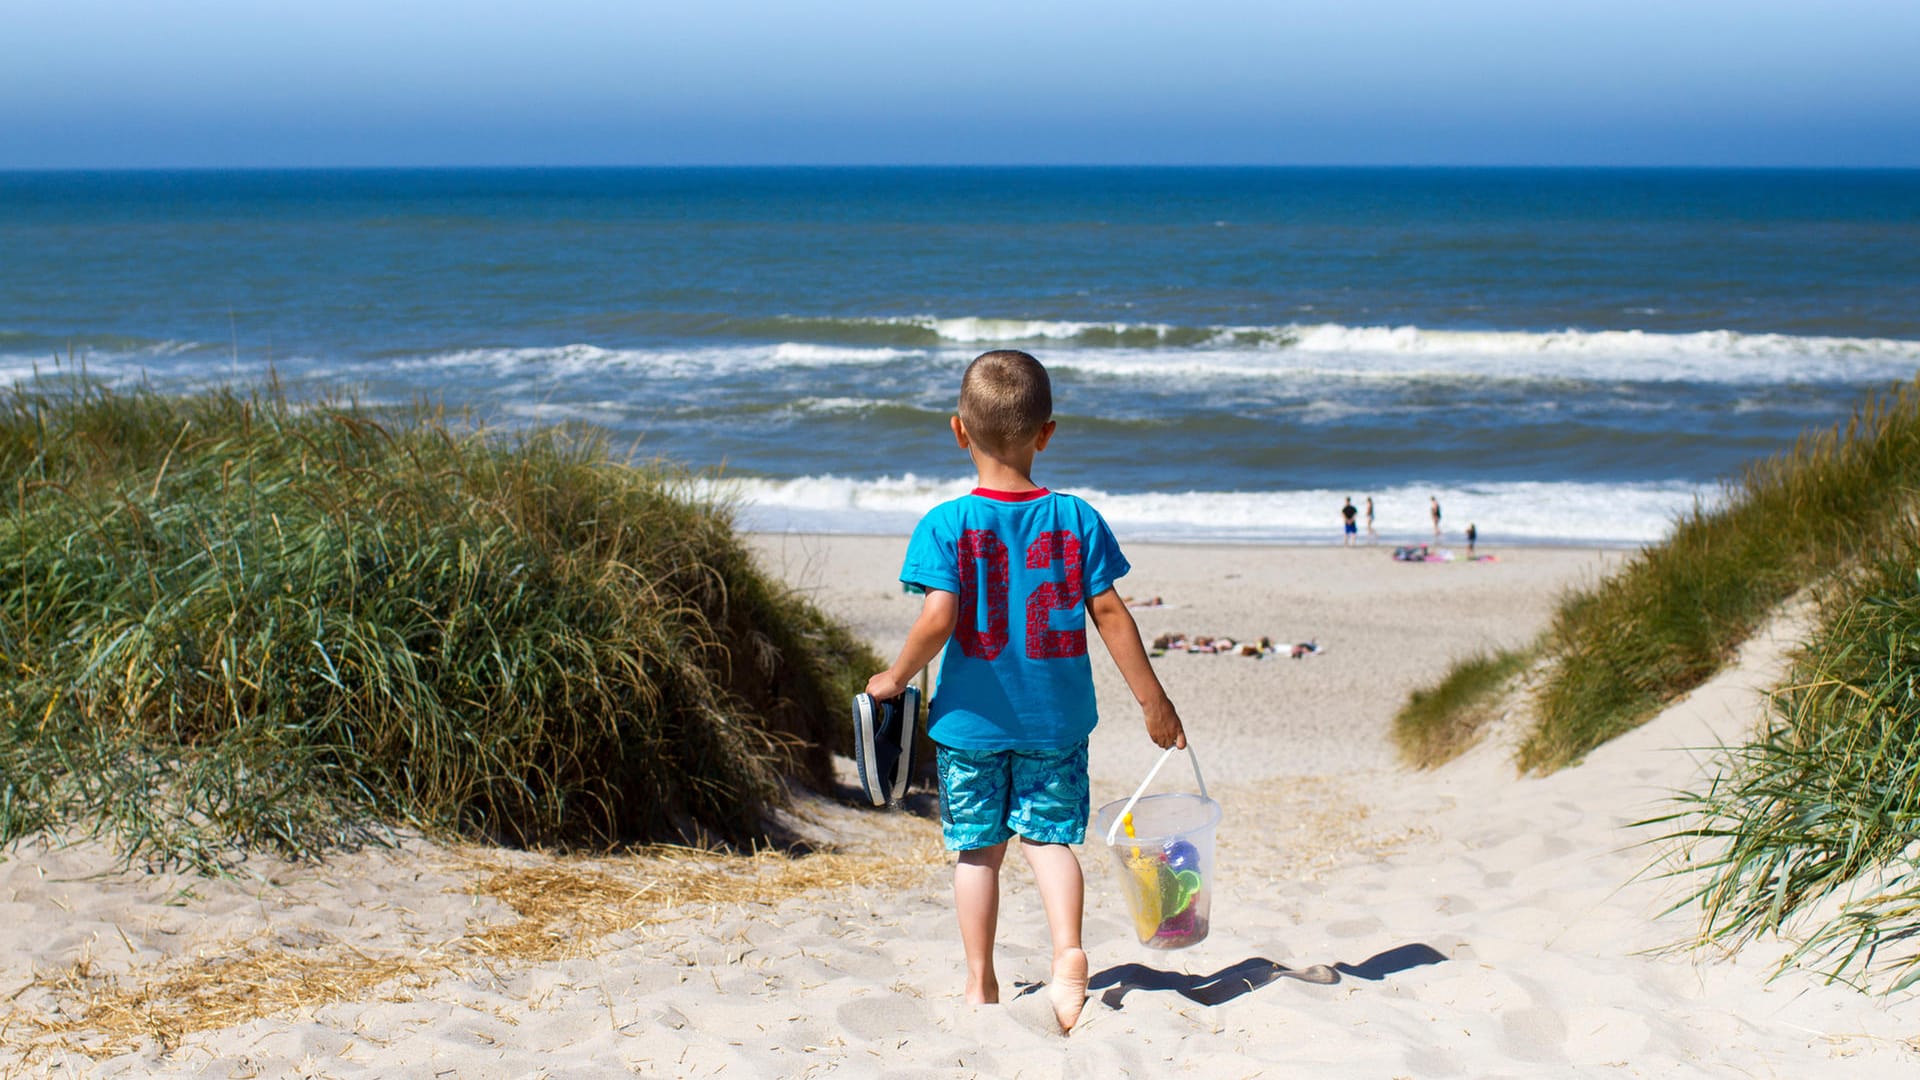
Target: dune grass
[[1440, 723], [1827, 803], [1818, 817], [1677, 611], [229, 621], [1674, 613]]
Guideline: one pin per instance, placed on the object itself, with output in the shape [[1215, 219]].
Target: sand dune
[[1368, 922]]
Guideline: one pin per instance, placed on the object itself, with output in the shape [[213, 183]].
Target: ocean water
[[1558, 355]]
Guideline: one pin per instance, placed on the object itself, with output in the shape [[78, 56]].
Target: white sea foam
[[558, 359], [584, 359], [1326, 351], [1336, 339], [605, 413], [976, 330], [838, 404], [115, 369], [93, 356], [1774, 353], [1411, 354], [1505, 512], [801, 354]]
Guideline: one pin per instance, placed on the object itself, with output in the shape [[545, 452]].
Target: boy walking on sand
[[1012, 572]]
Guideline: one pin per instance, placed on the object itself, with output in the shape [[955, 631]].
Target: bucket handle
[[1113, 831]]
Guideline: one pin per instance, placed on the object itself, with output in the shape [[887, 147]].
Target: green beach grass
[[1816, 819], [1439, 723], [231, 622], [1826, 803], [1674, 613]]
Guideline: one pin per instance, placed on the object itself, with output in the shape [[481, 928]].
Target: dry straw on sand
[[564, 908]]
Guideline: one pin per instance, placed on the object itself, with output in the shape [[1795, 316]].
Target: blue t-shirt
[[1016, 674]]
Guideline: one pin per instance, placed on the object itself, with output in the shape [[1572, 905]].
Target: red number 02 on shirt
[[980, 547]]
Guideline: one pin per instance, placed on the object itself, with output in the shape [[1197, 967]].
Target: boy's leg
[[1049, 811], [976, 897], [1062, 890], [973, 822], [1063, 893]]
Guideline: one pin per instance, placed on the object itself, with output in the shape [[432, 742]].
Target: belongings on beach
[[1422, 553], [1140, 602], [1174, 641]]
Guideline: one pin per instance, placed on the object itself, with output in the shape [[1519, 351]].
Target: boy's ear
[[1046, 435], [959, 433]]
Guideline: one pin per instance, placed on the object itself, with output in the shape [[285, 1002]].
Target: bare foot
[[984, 992], [1068, 987]]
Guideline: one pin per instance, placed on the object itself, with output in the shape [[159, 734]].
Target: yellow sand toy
[[1167, 859]]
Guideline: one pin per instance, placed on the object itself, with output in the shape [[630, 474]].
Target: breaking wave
[[1329, 351], [1506, 512]]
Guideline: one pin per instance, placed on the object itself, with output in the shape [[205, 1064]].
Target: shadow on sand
[[1251, 974]]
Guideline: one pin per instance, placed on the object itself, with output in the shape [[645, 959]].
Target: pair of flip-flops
[[883, 744]]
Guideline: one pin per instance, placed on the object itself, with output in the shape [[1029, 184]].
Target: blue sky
[[85, 83]]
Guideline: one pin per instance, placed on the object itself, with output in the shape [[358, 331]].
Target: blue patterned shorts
[[986, 796]]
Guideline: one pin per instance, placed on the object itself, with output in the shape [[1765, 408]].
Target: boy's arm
[[924, 642], [1117, 628]]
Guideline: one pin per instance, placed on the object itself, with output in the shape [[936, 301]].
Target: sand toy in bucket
[[1163, 850]]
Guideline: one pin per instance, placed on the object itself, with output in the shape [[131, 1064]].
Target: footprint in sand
[[1353, 928], [1536, 1034], [874, 1019]]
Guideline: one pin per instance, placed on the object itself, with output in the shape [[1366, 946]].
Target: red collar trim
[[1011, 496]]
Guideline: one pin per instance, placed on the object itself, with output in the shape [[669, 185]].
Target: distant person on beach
[[1371, 535], [1349, 513], [1433, 509], [1012, 572], [1473, 534]]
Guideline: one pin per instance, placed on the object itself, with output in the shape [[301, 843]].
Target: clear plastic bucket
[[1165, 867]]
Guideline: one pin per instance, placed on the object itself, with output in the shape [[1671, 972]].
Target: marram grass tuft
[[1819, 815], [1673, 614], [1439, 724], [231, 621]]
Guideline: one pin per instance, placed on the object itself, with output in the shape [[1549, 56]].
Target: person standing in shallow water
[[1372, 537], [1433, 510], [1473, 534], [1348, 513]]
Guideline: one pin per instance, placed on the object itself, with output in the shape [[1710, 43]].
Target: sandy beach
[[1368, 921]]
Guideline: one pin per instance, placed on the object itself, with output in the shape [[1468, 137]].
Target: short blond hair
[[1005, 399]]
